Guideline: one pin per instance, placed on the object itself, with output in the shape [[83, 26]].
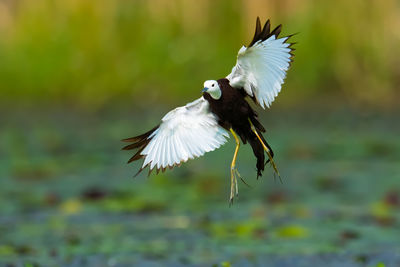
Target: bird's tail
[[268, 146], [258, 151]]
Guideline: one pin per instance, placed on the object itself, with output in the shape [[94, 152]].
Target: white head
[[212, 87]]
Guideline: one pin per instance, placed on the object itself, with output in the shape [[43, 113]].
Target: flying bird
[[204, 124]]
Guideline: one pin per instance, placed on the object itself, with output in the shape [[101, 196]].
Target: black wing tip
[[140, 137], [276, 31], [140, 170], [257, 32], [265, 33], [138, 142], [158, 170]]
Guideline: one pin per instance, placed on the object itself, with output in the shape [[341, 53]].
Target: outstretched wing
[[184, 133], [261, 67]]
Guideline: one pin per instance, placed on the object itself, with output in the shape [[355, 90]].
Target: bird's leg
[[266, 149], [234, 171]]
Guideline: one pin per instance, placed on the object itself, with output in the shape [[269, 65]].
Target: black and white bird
[[204, 124]]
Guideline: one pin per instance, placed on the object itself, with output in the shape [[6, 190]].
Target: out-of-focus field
[[68, 199], [77, 76]]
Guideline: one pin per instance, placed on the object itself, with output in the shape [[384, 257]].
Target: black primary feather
[[265, 33], [139, 142]]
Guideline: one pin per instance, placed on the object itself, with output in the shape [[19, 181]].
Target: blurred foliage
[[93, 54]]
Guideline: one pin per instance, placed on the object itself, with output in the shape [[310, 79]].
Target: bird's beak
[[204, 89]]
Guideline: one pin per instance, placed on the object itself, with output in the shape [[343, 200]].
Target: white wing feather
[[261, 69], [184, 133]]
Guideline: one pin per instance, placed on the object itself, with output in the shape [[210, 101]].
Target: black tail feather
[[268, 146], [257, 124], [258, 151]]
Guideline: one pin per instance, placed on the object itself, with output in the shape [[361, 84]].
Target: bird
[[204, 125]]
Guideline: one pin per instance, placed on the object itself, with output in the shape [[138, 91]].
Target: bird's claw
[[234, 184]]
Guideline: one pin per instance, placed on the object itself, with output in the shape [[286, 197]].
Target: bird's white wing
[[184, 133], [261, 68]]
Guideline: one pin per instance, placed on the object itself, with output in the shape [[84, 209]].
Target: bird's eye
[[212, 85]]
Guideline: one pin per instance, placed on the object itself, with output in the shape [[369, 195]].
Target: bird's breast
[[231, 109]]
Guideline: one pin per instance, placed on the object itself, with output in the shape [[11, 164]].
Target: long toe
[[233, 182]]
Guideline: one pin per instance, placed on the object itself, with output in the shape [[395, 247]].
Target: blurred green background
[[76, 76], [92, 54]]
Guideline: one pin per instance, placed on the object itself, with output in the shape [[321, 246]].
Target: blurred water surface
[[67, 198]]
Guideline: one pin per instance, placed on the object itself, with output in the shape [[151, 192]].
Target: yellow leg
[[266, 149], [234, 171]]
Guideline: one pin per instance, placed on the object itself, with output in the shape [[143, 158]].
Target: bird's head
[[212, 88]]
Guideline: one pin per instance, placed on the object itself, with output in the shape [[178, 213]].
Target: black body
[[233, 111]]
